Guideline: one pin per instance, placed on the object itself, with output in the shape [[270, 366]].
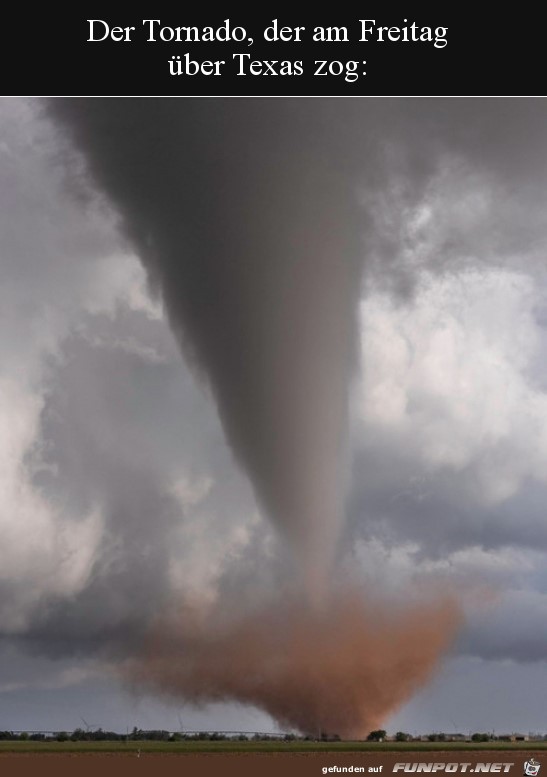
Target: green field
[[257, 747]]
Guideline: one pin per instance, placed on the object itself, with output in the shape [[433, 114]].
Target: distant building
[[513, 737]]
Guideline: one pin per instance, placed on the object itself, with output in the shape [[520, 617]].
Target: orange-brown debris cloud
[[341, 670]]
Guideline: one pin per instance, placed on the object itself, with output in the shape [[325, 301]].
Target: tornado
[[247, 224], [245, 214]]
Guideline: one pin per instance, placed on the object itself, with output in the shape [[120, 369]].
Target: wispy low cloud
[[45, 552], [448, 379]]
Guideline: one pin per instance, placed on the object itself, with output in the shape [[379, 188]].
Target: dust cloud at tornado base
[[245, 214], [341, 669]]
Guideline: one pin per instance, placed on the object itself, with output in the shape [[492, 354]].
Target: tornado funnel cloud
[[245, 214], [248, 227]]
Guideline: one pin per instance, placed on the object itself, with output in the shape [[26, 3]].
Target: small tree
[[400, 736], [377, 736]]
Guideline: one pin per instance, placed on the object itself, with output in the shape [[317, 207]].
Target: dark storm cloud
[[510, 630], [402, 149], [391, 496]]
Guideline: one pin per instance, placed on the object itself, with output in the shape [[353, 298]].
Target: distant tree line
[[153, 735]]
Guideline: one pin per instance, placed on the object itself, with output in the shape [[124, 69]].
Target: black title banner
[[350, 51]]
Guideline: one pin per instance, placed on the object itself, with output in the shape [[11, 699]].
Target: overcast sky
[[119, 492]]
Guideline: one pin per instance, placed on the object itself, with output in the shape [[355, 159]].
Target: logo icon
[[531, 767]]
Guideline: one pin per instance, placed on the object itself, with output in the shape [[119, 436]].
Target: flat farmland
[[232, 746]]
